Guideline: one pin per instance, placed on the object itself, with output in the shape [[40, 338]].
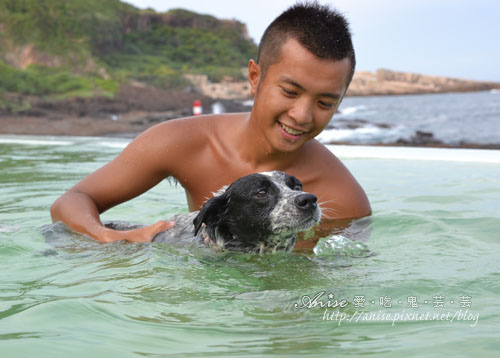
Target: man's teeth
[[291, 130]]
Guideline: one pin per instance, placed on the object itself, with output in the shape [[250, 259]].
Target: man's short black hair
[[320, 29]]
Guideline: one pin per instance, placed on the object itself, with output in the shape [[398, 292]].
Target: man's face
[[298, 95]]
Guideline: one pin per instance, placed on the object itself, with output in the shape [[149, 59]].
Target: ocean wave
[[27, 141], [118, 145], [363, 135], [351, 110]]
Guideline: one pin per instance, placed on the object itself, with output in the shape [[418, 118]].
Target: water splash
[[338, 245]]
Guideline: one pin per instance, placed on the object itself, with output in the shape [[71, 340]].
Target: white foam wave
[[50, 141], [119, 145], [358, 134], [33, 141], [9, 228], [362, 135], [351, 110]]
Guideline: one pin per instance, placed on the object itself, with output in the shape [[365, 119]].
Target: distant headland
[[386, 82], [364, 83]]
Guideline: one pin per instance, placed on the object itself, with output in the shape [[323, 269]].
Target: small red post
[[197, 108]]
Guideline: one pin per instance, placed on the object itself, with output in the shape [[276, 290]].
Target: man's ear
[[254, 72], [211, 213]]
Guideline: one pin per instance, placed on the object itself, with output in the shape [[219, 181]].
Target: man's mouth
[[291, 131]]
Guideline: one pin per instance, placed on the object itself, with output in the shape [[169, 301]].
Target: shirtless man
[[304, 66]]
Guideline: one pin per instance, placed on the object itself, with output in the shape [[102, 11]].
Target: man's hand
[[144, 234]]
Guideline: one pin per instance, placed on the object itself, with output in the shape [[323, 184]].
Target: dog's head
[[258, 213]]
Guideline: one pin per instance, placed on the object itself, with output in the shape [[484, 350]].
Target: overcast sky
[[455, 38]]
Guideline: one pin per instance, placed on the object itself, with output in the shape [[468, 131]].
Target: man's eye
[[261, 193], [326, 105], [288, 92]]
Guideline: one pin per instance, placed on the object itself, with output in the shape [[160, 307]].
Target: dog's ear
[[211, 213]]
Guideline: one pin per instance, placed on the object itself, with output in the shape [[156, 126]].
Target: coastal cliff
[[61, 49]]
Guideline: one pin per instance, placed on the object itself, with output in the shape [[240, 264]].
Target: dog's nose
[[306, 201]]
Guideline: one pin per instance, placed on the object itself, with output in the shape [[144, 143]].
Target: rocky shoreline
[[130, 124], [133, 109]]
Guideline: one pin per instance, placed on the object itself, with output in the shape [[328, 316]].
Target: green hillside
[[90, 47]]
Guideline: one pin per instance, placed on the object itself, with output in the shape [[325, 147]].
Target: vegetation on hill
[[89, 47]]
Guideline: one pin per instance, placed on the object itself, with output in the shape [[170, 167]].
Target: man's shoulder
[[319, 156], [176, 142], [169, 143], [179, 130], [205, 124]]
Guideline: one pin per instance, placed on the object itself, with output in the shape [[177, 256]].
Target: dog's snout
[[306, 201]]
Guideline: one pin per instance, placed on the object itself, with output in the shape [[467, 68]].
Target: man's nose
[[301, 112]]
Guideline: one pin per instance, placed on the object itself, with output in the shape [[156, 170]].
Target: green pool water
[[430, 288]]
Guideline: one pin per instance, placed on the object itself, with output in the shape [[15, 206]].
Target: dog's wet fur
[[255, 214]]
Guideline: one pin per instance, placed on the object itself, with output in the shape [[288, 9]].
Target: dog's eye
[[297, 187], [261, 193]]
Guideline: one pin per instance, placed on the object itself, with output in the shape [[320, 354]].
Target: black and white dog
[[257, 213]]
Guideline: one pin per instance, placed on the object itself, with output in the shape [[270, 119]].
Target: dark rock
[[355, 124], [421, 138]]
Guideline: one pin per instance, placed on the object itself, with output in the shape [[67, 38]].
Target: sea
[[425, 283], [451, 118]]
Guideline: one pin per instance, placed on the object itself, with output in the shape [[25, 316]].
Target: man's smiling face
[[297, 96]]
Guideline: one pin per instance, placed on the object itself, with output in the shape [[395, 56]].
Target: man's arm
[[80, 213], [141, 165]]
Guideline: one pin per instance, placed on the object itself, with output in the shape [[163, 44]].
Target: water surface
[[472, 117], [435, 238]]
